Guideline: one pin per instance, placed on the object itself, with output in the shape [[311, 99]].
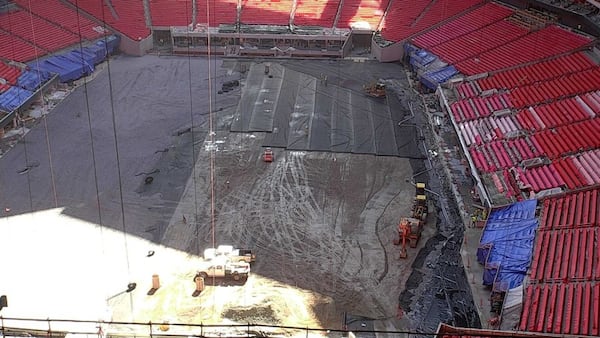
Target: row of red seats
[[560, 247], [564, 294], [479, 41], [541, 44], [471, 21], [10, 74], [369, 11], [128, 17], [580, 209], [574, 179], [563, 308], [166, 13], [537, 72], [316, 12], [15, 48], [408, 17], [541, 178], [219, 12], [503, 154], [477, 107], [569, 85], [476, 132], [63, 16], [555, 114], [569, 139], [37, 31], [266, 12]]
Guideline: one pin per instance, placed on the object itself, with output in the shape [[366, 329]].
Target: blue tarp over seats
[[13, 98], [88, 56], [110, 43], [32, 79], [77, 57], [421, 58], [68, 70], [506, 244], [434, 78], [98, 51]]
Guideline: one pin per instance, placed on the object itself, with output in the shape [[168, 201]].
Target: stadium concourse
[[119, 168]]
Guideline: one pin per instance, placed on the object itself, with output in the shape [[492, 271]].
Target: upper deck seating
[[171, 12], [266, 12], [215, 13], [537, 45], [125, 16], [361, 13], [61, 15], [37, 31], [320, 13], [409, 17], [471, 21]]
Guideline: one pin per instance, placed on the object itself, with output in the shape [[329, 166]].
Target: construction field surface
[[124, 180]]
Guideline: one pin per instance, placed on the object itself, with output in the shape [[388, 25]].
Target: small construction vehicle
[[231, 253], [376, 90], [420, 207], [223, 268], [409, 230], [268, 155]]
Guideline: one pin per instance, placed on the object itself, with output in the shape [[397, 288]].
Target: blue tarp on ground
[[434, 78], [33, 78], [507, 243], [13, 98]]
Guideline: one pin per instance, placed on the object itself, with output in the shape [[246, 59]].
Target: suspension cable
[[44, 116], [89, 121], [195, 220], [118, 157], [211, 136], [14, 53]]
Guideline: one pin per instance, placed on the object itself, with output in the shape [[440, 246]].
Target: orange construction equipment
[[409, 230], [268, 155]]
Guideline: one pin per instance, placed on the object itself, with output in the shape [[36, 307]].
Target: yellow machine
[[420, 208]]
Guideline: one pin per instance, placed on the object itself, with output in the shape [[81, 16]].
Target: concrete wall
[[390, 53], [136, 48]]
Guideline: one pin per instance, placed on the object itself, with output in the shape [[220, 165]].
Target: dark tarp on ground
[[33, 78], [302, 112], [434, 78], [13, 98], [506, 243]]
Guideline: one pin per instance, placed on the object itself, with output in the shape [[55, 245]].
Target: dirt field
[[322, 223]]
